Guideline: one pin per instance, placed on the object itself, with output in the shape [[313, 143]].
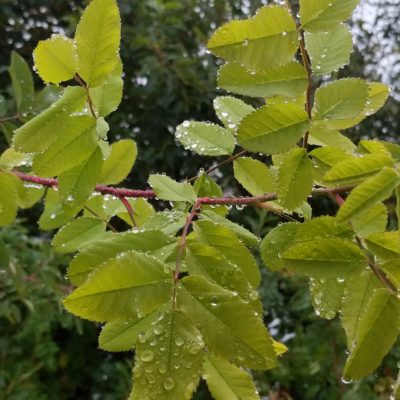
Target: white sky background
[[385, 61]]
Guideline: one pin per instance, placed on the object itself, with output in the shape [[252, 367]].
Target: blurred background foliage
[[169, 77]]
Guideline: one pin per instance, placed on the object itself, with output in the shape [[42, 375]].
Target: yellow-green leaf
[[56, 59]]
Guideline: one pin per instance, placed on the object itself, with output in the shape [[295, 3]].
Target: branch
[[307, 66], [150, 194]]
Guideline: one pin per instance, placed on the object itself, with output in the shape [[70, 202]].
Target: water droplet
[[214, 302], [186, 124], [179, 341], [169, 384], [147, 356], [162, 369], [345, 381]]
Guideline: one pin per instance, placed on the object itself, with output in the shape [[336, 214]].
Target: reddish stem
[[130, 210]]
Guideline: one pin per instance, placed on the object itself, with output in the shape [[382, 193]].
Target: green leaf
[[276, 242], [169, 222], [327, 296], [254, 176], [22, 82], [37, 134], [174, 356], [273, 128], [117, 167], [123, 335], [324, 258], [29, 195], [295, 179], [54, 214], [76, 143], [56, 59], [322, 15], [46, 97], [228, 325], [138, 277], [337, 103], [246, 236], [281, 238], [142, 212], [385, 245], [11, 159], [359, 290], [77, 184], [107, 97], [368, 193], [205, 138], [377, 96], [4, 254], [226, 381], [397, 192], [208, 262], [288, 80], [231, 247], [325, 137], [357, 169], [266, 40], [329, 50], [8, 199], [78, 234], [206, 187], [330, 156], [378, 329], [103, 250], [231, 111], [168, 189], [371, 221], [97, 37]]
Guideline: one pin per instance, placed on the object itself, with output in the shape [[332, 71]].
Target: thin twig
[[182, 246], [221, 164], [94, 213], [89, 99], [307, 66], [130, 210], [375, 269]]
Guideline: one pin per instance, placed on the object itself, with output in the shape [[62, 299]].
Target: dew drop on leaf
[[169, 384], [147, 356]]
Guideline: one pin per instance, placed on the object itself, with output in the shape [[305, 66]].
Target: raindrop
[[179, 341], [147, 356], [345, 381], [169, 384], [186, 124]]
